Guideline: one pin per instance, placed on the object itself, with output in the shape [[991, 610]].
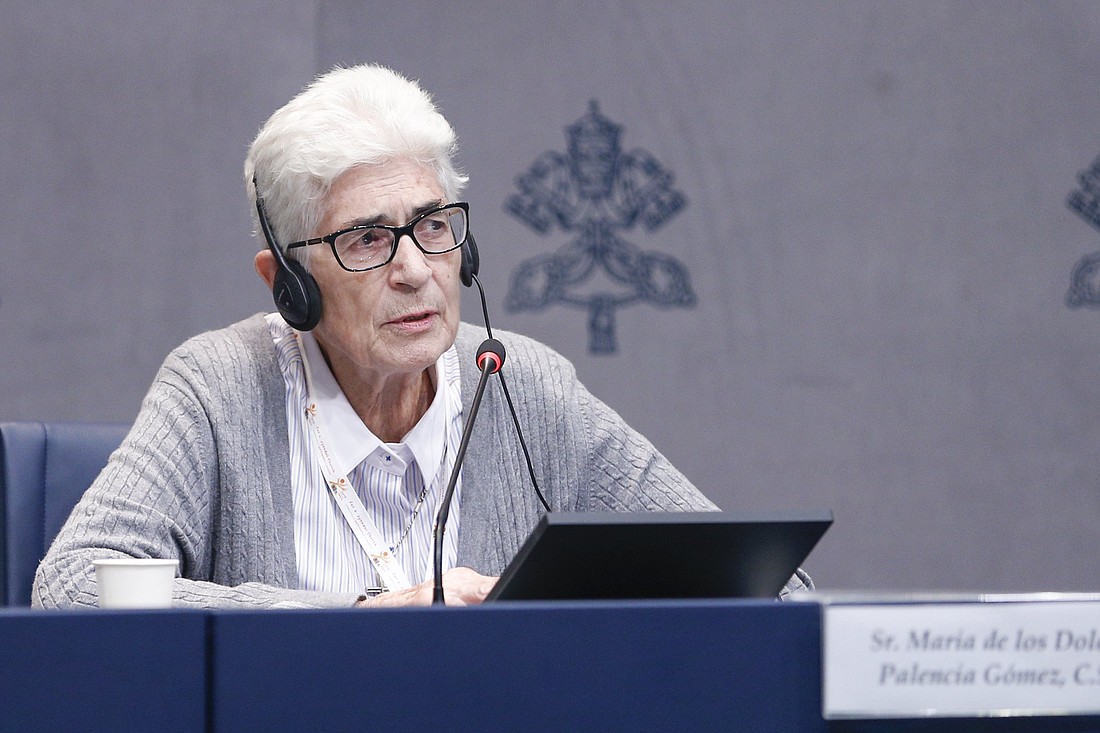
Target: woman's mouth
[[414, 322]]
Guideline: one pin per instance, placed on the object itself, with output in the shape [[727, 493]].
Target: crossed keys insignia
[[596, 191], [1084, 289]]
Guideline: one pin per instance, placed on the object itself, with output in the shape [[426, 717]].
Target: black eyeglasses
[[370, 246]]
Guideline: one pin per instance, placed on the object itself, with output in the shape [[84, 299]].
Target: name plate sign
[[961, 659]]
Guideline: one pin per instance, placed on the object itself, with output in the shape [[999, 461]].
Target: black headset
[[295, 291]]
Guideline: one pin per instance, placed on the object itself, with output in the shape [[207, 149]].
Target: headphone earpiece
[[471, 261], [296, 295]]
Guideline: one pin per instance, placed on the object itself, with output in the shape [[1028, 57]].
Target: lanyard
[[389, 569]]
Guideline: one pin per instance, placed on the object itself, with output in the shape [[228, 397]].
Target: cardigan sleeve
[[606, 465], [163, 494], [627, 473]]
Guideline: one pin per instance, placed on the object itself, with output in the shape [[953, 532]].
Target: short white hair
[[348, 117]]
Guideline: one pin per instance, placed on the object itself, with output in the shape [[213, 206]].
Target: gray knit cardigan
[[204, 474]]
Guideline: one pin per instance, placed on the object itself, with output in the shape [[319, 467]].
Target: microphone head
[[491, 351]]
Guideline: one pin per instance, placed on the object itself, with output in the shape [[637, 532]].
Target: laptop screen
[[630, 555]]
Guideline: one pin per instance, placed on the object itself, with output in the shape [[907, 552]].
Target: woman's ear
[[266, 267]]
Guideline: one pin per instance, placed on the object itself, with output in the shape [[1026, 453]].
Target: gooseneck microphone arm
[[490, 358]]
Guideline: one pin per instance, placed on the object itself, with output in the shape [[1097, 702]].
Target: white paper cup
[[135, 582]]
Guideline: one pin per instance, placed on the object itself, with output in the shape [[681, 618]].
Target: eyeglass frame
[[398, 233]]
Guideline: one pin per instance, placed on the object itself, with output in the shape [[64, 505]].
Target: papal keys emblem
[[596, 193], [1084, 287]]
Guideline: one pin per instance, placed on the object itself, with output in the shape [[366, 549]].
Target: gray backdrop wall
[[845, 226]]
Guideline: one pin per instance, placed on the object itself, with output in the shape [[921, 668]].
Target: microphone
[[490, 358]]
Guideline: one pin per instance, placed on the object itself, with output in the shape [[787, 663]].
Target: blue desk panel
[[745, 666], [102, 671]]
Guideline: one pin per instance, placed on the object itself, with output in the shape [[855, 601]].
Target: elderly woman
[[299, 458]]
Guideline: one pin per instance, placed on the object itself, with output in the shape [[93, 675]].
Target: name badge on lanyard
[[366, 532]]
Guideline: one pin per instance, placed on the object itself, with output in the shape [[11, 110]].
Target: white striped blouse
[[389, 478]]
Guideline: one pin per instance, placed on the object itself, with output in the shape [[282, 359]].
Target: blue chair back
[[44, 470]]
